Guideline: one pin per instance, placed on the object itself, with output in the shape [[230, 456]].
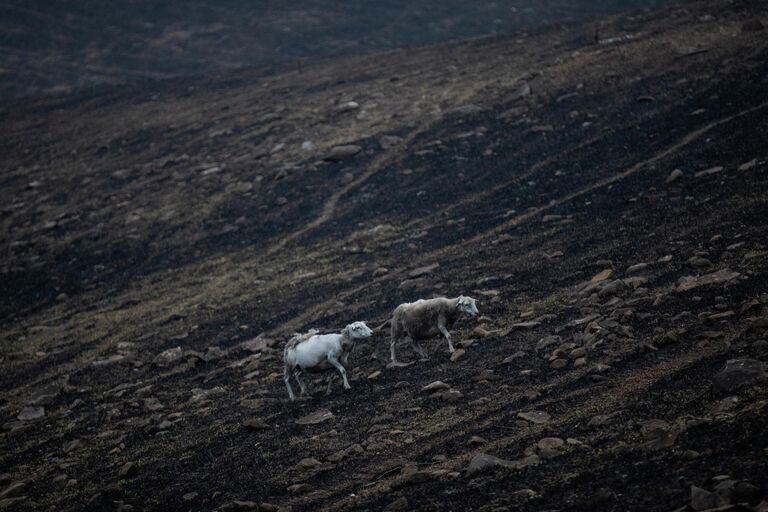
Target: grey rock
[[31, 413], [168, 357], [738, 373], [339, 153], [483, 461], [538, 417], [701, 499], [315, 417], [12, 490]]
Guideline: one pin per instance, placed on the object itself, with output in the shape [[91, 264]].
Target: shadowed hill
[[604, 201], [52, 47]]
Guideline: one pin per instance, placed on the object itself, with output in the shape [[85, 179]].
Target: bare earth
[[535, 170]]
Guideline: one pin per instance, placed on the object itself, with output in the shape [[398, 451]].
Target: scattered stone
[[637, 267], [738, 373], [168, 357], [299, 488], [558, 364], [701, 499], [699, 262], [483, 461], [127, 470], [381, 271], [517, 355], [316, 417], [550, 443], [748, 165], [236, 505], [422, 271], [480, 332], [525, 325], [309, 463], [72, 445], [467, 109], [339, 153], [374, 375], [347, 106], [577, 353], [458, 354], [708, 172], [602, 276], [675, 175], [476, 441], [537, 417], [31, 413], [721, 276], [255, 424], [612, 288], [12, 490], [547, 341], [190, 496], [435, 386]]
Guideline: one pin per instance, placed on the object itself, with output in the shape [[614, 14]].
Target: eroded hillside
[[604, 201]]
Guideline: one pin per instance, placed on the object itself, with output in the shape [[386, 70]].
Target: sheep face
[[359, 330], [467, 305]]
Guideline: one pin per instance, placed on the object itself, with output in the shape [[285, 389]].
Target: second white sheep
[[312, 352]]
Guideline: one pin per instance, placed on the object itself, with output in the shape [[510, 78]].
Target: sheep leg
[[287, 380], [342, 371], [395, 363], [447, 337], [301, 382], [392, 350]]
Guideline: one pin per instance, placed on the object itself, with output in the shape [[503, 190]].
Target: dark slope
[[53, 47], [137, 221]]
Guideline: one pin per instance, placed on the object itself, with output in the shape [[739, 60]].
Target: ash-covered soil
[[605, 201], [54, 47]]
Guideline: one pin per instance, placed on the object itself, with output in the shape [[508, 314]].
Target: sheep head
[[358, 330], [467, 305]]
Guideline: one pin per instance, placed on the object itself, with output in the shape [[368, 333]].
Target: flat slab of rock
[[721, 276], [31, 413], [422, 271], [339, 153], [483, 461], [438, 385], [525, 325], [602, 276], [168, 357], [737, 374], [316, 417], [538, 417]]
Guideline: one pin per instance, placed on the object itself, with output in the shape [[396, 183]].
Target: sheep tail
[[298, 338]]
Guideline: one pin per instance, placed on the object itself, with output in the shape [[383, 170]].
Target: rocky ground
[[605, 202]]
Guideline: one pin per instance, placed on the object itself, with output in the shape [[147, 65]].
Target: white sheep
[[312, 352], [424, 319]]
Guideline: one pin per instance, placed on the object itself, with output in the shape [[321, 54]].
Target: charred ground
[[188, 215]]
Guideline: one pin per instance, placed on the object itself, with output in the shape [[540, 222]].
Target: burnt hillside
[[605, 202], [54, 47]]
